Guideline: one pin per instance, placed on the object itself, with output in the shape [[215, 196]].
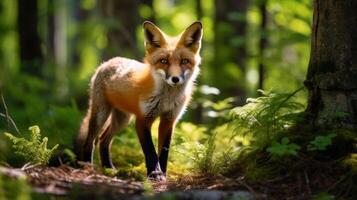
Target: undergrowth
[[259, 142], [34, 150], [11, 188], [265, 117], [255, 127]]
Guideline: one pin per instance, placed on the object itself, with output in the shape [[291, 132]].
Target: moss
[[135, 173]]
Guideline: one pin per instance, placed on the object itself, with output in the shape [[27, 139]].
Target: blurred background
[[50, 48]]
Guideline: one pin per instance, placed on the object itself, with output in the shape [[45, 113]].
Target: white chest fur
[[166, 100]]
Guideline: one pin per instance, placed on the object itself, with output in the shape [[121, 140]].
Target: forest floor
[[88, 183]]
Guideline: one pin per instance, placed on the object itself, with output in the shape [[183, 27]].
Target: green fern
[[33, 150], [204, 160], [264, 117]]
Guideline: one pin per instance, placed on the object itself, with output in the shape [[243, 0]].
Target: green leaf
[[321, 143], [283, 148]]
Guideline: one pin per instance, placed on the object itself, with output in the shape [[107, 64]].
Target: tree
[[331, 78], [229, 44], [29, 39], [122, 23], [263, 41]]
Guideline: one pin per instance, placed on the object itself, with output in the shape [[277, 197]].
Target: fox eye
[[164, 61], [184, 61]]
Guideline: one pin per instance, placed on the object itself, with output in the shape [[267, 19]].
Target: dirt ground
[[88, 183]]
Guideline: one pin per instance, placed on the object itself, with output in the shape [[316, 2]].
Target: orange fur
[[127, 98]]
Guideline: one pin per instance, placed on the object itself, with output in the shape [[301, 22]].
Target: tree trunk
[[263, 41], [197, 109], [60, 44], [50, 40], [123, 19], [332, 72], [230, 47], [29, 40]]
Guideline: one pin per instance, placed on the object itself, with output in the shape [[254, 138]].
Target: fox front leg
[[166, 128], [143, 129]]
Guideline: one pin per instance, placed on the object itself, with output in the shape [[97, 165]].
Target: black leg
[[104, 149], [164, 153], [166, 128], [151, 158]]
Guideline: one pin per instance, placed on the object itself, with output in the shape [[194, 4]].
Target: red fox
[[161, 87]]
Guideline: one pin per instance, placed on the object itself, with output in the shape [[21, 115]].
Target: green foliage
[[266, 116], [27, 104], [127, 155], [193, 151], [218, 109], [284, 148], [33, 150], [320, 143], [126, 173], [189, 152], [14, 189], [62, 123], [324, 196], [50, 98], [199, 149], [203, 156], [148, 188]]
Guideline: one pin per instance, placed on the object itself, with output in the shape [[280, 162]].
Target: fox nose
[[175, 79]]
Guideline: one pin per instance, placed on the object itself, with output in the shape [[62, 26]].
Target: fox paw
[[157, 176]]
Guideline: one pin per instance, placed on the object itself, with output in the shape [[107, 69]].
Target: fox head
[[174, 59]]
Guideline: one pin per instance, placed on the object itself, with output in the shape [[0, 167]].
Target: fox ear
[[192, 36], [154, 38]]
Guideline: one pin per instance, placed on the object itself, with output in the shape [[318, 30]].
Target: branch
[[7, 116]]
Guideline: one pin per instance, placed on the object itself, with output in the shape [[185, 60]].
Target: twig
[[12, 122], [6, 111], [29, 165], [7, 116]]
